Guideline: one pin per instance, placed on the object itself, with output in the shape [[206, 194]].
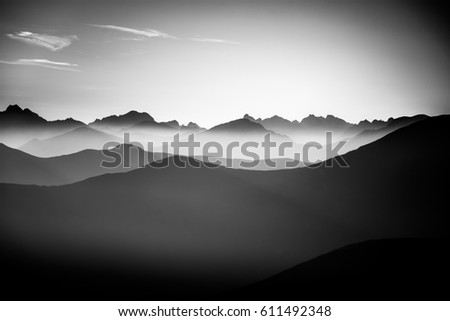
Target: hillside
[[205, 230], [392, 269], [70, 142], [21, 168]]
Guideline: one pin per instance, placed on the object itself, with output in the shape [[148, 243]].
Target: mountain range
[[19, 167], [313, 128], [17, 126], [142, 124], [24, 129], [199, 231]]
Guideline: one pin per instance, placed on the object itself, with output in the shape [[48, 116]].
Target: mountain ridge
[[161, 219]]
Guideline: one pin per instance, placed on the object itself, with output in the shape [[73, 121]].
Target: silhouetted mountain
[[396, 123], [21, 168], [190, 232], [247, 116], [279, 124], [239, 126], [19, 125], [365, 125], [172, 123], [245, 131], [16, 116], [151, 124], [192, 125], [312, 122], [324, 123], [395, 269], [311, 128], [370, 135], [115, 122], [74, 141], [141, 123]]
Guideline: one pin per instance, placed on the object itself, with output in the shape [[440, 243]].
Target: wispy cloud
[[43, 63], [53, 43], [143, 33], [215, 40], [133, 38]]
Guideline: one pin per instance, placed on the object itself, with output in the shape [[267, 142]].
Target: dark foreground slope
[[392, 269], [185, 233], [370, 135]]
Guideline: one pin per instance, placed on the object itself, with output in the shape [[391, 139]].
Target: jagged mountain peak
[[247, 116], [129, 118]]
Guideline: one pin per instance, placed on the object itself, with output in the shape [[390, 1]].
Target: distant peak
[[14, 108], [173, 122], [248, 117], [313, 117], [131, 117], [16, 111], [276, 117], [135, 112], [192, 125], [239, 124], [330, 121]]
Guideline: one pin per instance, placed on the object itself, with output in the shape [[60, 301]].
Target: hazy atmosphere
[[224, 150], [212, 61]]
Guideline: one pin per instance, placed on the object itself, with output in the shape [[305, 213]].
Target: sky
[[214, 61]]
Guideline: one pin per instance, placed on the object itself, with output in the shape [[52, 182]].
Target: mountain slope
[[205, 230], [21, 168], [370, 135], [239, 126], [244, 131], [13, 115], [71, 142], [311, 128], [115, 122], [18, 126], [394, 269]]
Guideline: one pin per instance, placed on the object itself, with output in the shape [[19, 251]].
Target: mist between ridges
[[267, 153]]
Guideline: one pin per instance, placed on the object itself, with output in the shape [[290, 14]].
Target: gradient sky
[[213, 61]]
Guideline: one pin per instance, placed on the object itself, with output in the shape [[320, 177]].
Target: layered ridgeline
[[22, 129], [243, 131], [314, 128], [27, 131], [143, 128], [18, 126], [19, 167], [185, 233]]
